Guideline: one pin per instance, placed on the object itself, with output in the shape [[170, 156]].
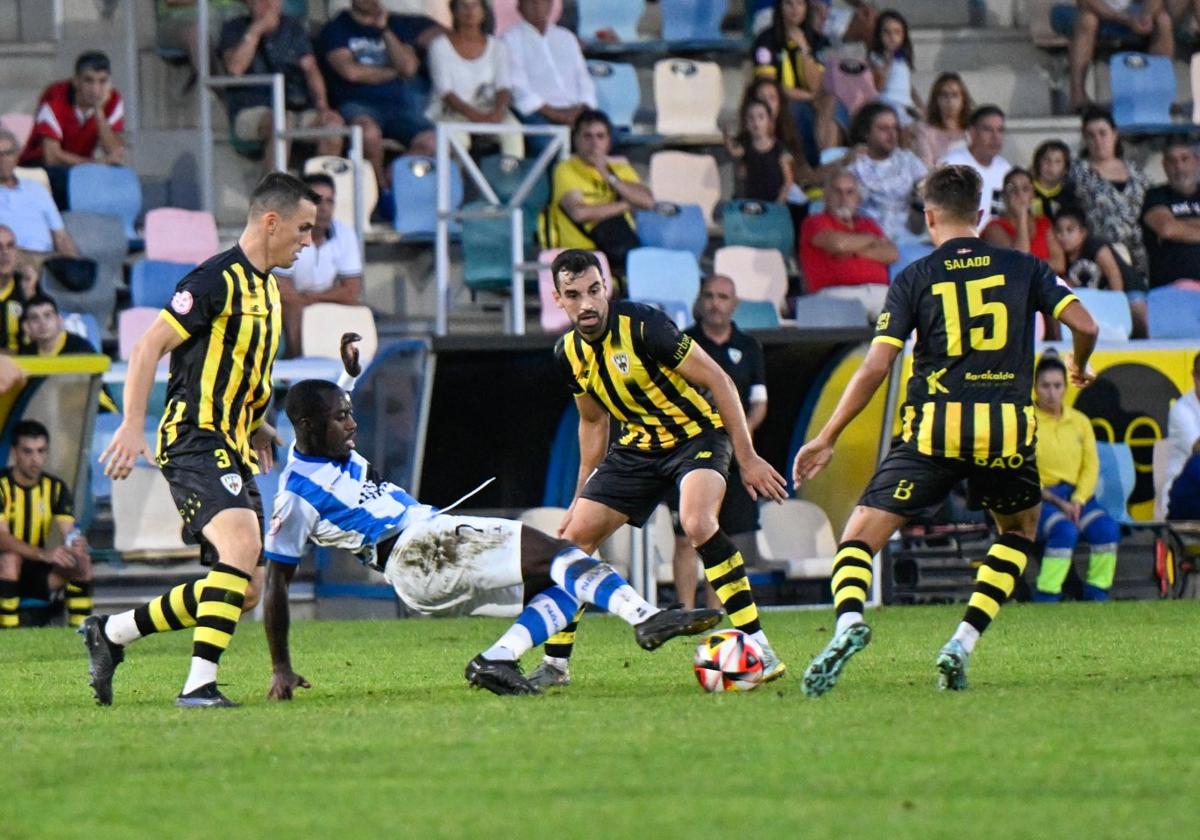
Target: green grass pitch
[[1080, 722]]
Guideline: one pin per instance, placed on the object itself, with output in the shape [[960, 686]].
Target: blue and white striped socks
[[546, 613], [592, 582]]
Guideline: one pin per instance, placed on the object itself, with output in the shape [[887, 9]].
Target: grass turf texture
[[1076, 724]]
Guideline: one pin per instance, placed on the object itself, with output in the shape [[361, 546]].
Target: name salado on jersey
[[631, 371], [972, 305]]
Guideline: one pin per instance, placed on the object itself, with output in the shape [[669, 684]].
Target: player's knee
[[1062, 534], [699, 525], [1103, 531], [252, 597], [10, 566]]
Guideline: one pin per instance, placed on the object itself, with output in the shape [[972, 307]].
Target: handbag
[[75, 274]]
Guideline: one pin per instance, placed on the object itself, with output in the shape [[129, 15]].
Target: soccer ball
[[728, 661]]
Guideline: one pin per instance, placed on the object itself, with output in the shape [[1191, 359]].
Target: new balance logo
[[700, 456]]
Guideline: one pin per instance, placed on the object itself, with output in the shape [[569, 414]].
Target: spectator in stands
[[764, 169], [327, 271], [46, 335], [268, 41], [945, 125], [18, 283], [66, 128], [593, 196], [842, 252], [1051, 189], [1110, 20], [30, 501], [176, 26], [985, 139], [769, 92], [27, 209], [785, 52], [741, 356], [1111, 190], [1171, 218], [888, 175], [1091, 262], [373, 64], [550, 81], [1069, 467], [1183, 452], [891, 60], [838, 24], [470, 71], [1017, 227]]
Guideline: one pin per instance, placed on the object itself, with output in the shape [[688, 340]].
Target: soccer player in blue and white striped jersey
[[438, 563]]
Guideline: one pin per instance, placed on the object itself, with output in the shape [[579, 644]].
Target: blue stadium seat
[[618, 93], [679, 227], [824, 311], [910, 252], [487, 250], [1117, 479], [100, 188], [505, 173], [692, 20], [621, 16], [756, 315], [1174, 312], [152, 282], [83, 324], [414, 186], [759, 224], [1143, 88], [1110, 310], [658, 274]]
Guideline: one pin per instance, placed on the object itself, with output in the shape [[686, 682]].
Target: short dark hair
[[574, 261], [1016, 172], [1049, 362], [489, 18], [313, 179], [1072, 212], [92, 60], [308, 400], [1046, 147], [955, 191], [280, 192], [589, 116], [30, 429], [982, 113], [864, 118], [39, 299]]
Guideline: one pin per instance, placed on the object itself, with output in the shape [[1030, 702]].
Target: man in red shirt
[[844, 253], [66, 130]]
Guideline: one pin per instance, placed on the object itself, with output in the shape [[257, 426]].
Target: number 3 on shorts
[[222, 459]]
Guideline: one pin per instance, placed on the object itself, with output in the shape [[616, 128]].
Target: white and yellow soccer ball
[[728, 660]]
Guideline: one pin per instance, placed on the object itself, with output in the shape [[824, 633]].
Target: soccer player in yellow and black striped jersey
[[32, 503], [222, 328], [629, 362], [967, 415]]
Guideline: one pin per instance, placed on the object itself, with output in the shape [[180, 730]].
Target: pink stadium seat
[[182, 236], [21, 125], [554, 320], [506, 13], [132, 324]]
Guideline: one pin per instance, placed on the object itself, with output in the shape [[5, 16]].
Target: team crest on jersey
[[735, 355], [232, 482], [621, 360], [181, 302]]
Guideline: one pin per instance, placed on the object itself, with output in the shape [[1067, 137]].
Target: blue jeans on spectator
[[402, 122], [804, 115], [535, 143], [1064, 15]]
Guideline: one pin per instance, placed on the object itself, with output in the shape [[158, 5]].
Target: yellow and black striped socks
[[10, 601], [219, 607], [852, 571], [725, 571], [996, 579], [79, 601], [173, 610], [560, 645]]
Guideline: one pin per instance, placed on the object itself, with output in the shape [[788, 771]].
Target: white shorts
[[458, 565]]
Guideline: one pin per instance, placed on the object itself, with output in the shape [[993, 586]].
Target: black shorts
[[633, 481], [739, 513], [909, 483], [34, 582], [207, 477]]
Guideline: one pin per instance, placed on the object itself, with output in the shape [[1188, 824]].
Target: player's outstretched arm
[[815, 454], [1083, 334], [760, 478], [593, 443], [276, 620], [129, 441]]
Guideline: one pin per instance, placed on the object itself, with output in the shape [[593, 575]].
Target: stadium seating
[[322, 326], [1174, 312], [756, 315], [850, 80], [1117, 479], [758, 273], [341, 170], [20, 124], [506, 14], [617, 91], [759, 224], [180, 236], [815, 311], [679, 227], [487, 249], [687, 96], [910, 252], [101, 238], [685, 178], [798, 536], [132, 324], [505, 174], [1110, 310], [84, 325], [101, 188], [1143, 88], [554, 320], [152, 282], [657, 274], [621, 16], [414, 185], [1158, 468], [692, 20], [144, 514]]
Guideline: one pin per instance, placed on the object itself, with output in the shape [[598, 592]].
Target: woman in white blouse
[[470, 73]]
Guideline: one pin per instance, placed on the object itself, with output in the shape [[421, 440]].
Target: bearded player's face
[[584, 298]]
